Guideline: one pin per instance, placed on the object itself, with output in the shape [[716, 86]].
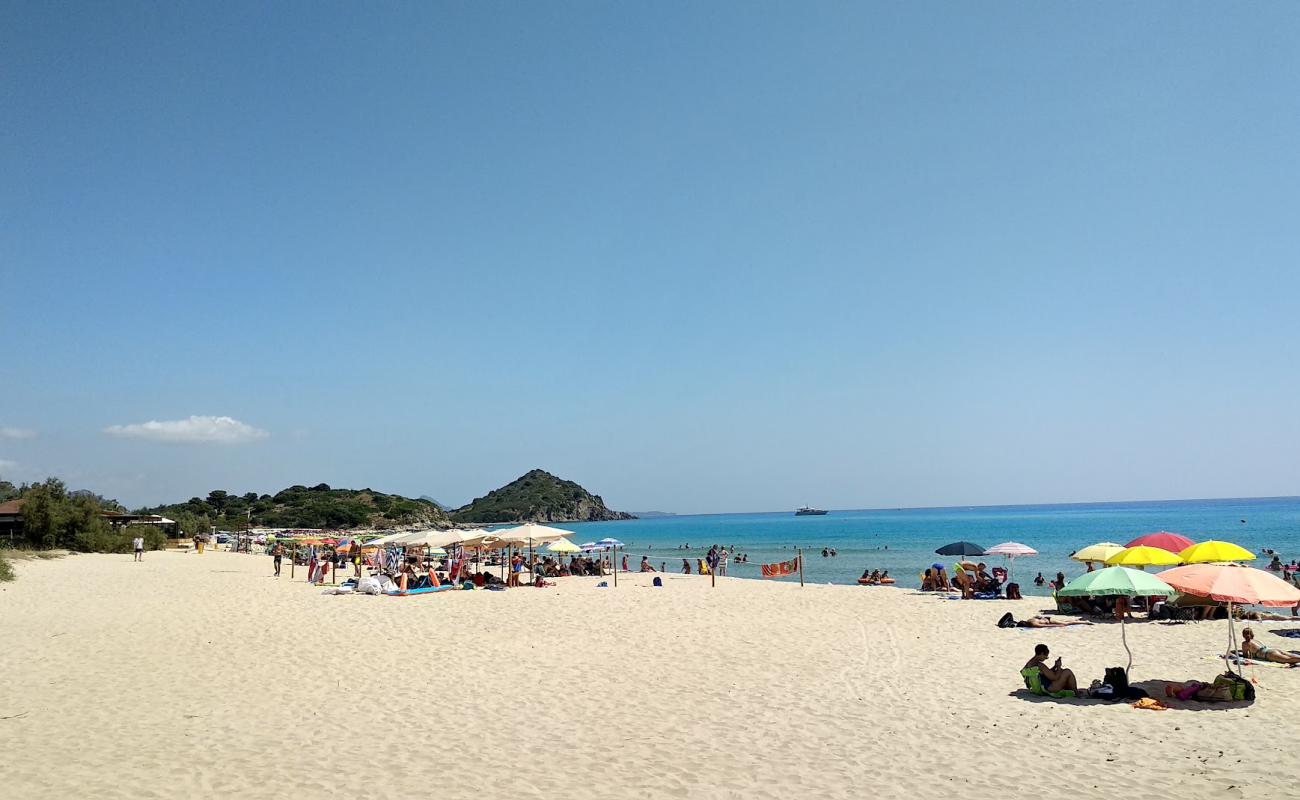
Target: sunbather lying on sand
[[1041, 621], [1044, 621], [1253, 649]]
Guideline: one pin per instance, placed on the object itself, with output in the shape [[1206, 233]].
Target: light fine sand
[[201, 676]]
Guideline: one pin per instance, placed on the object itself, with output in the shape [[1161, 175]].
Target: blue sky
[[696, 256]]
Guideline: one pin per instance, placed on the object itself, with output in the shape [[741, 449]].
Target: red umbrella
[[1173, 542]]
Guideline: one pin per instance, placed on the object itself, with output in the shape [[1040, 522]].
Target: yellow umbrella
[[1097, 552], [563, 545], [1214, 552], [1143, 556]]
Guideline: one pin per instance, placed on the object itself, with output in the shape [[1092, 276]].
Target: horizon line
[[986, 506]]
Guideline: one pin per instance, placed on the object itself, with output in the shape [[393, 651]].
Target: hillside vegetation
[[317, 506], [537, 496]]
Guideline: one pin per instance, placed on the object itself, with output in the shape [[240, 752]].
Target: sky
[[699, 257]]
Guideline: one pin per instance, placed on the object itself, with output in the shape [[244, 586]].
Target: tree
[[40, 518]]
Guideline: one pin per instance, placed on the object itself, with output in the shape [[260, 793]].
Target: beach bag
[[1228, 687], [1007, 621], [658, 581], [1117, 678]]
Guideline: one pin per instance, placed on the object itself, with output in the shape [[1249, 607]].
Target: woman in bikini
[[1253, 649]]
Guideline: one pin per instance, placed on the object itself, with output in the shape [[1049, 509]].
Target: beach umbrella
[[1143, 556], [393, 538], [562, 545], [612, 544], [1213, 552], [533, 533], [1118, 581], [1232, 584], [587, 547], [960, 549], [1173, 542], [1012, 551], [1098, 552]]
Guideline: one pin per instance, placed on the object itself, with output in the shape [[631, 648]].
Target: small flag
[[781, 569]]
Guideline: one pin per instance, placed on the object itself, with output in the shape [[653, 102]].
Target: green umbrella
[[1113, 581]]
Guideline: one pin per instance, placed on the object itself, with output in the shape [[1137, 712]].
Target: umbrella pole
[[1232, 644], [615, 565], [1123, 633]]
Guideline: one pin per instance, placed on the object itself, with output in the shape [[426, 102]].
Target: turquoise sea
[[903, 540]]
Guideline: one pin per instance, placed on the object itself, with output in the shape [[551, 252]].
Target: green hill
[[308, 507], [537, 496]]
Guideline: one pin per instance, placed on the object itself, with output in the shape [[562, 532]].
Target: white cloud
[[195, 430], [16, 433]]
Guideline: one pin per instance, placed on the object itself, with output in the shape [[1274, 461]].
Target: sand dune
[[201, 676]]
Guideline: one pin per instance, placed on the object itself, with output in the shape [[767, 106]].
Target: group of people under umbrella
[[532, 536], [1213, 570]]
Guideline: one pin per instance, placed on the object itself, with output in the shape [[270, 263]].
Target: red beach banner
[[781, 569]]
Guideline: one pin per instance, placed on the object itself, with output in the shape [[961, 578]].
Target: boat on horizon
[[808, 511]]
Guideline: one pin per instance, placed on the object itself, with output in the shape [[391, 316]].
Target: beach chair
[[1034, 683]]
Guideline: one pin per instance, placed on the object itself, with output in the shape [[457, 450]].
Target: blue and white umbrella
[[612, 544]]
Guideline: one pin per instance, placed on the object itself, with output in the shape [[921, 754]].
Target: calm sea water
[[903, 541]]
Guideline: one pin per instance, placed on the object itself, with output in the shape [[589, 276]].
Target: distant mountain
[[429, 499], [652, 514], [302, 507], [537, 496]]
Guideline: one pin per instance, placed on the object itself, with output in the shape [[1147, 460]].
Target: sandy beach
[[203, 676]]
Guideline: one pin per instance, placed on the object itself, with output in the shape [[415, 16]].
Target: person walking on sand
[[138, 544], [277, 553]]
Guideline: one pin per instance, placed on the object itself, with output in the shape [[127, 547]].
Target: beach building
[[11, 520]]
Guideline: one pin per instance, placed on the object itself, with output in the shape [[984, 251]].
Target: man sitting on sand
[[645, 564], [1055, 678], [1253, 649]]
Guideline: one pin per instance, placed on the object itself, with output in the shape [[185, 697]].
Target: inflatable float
[[425, 590]]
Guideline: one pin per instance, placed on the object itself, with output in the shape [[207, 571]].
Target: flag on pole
[[781, 569]]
